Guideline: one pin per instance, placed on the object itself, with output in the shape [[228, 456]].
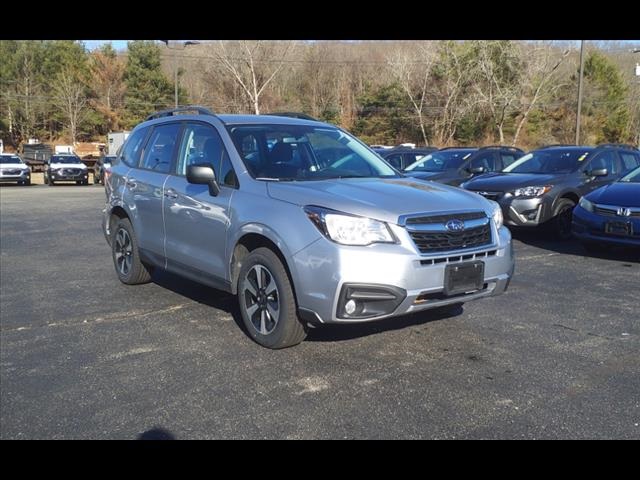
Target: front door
[[196, 222]]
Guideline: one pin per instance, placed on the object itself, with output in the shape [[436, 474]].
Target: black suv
[[545, 185], [454, 165], [402, 156]]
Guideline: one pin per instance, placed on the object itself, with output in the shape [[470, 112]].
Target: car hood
[[504, 182], [68, 165], [621, 194], [377, 198], [12, 166]]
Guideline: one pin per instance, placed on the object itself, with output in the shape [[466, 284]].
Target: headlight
[[531, 192], [496, 214], [349, 229], [586, 204]]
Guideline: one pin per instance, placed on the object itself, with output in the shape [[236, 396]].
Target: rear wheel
[[561, 222], [126, 256], [267, 302], [51, 182]]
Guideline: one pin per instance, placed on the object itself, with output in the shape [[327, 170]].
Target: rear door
[[196, 222], [145, 188]]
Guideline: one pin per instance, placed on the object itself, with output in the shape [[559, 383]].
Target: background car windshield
[[633, 176], [63, 159], [548, 161], [10, 159], [440, 161], [295, 152]]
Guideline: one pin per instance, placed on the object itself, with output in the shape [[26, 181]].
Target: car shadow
[[156, 433], [544, 240], [323, 333]]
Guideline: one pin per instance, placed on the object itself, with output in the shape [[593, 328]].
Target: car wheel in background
[[267, 302], [561, 222]]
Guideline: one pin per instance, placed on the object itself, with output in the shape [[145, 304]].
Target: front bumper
[[590, 227], [22, 177], [324, 267], [63, 177], [523, 212]]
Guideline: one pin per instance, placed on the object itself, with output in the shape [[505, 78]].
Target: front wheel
[[126, 256], [267, 302], [561, 222]]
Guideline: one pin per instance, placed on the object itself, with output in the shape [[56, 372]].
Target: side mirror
[[202, 174], [598, 172], [476, 170]]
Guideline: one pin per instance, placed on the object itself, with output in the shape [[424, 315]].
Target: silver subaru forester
[[299, 219]]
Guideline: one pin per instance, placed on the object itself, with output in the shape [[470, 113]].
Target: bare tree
[[412, 69], [252, 64], [541, 63], [70, 97], [498, 73]]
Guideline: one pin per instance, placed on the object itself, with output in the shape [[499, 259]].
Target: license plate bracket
[[619, 228], [463, 277]]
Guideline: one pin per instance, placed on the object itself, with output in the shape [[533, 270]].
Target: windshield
[[10, 159], [632, 177], [548, 161], [298, 153], [65, 159], [440, 161]]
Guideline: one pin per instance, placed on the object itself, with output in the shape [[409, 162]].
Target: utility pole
[[580, 92], [175, 65]]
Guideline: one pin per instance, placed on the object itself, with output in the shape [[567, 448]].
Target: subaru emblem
[[454, 225]]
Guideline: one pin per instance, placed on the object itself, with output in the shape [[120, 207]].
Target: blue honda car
[[610, 215]]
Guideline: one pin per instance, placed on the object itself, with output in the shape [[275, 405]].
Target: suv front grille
[[440, 241], [70, 171], [430, 234]]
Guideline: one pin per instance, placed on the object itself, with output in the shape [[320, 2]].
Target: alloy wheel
[[261, 299]]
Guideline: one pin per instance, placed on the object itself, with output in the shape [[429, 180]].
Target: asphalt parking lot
[[84, 356]]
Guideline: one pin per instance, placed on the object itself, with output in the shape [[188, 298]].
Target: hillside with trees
[[428, 92]]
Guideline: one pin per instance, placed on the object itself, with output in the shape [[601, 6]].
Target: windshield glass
[[548, 161], [10, 159], [440, 161], [65, 159], [633, 176], [298, 153]]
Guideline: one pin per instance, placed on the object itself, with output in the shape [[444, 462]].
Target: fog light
[[350, 307]]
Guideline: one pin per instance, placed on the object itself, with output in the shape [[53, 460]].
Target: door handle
[[131, 183], [171, 193]]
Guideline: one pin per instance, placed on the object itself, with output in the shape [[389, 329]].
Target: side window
[[507, 158], [606, 160], [159, 151], [486, 160], [410, 158], [129, 153], [202, 144], [395, 160], [629, 160]]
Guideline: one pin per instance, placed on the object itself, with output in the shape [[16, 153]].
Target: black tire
[[27, 182], [561, 222], [124, 244], [285, 330], [51, 182], [78, 182], [96, 179]]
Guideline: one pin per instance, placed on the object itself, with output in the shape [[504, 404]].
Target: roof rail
[[559, 145], [187, 108], [618, 145], [302, 116], [507, 147]]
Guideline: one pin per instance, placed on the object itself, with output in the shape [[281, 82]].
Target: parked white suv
[[13, 169]]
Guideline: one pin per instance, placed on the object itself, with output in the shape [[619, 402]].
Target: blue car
[[610, 215]]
